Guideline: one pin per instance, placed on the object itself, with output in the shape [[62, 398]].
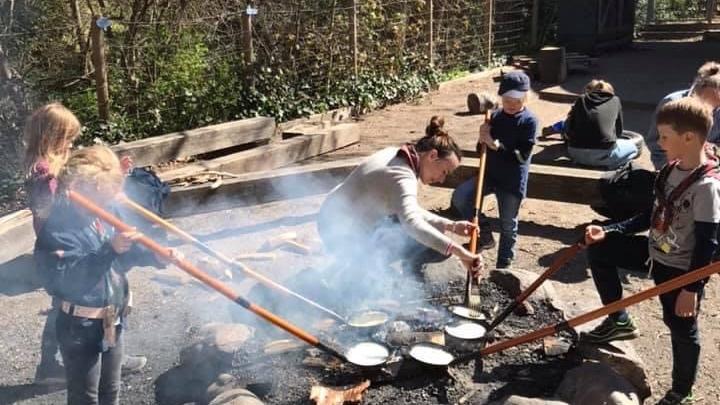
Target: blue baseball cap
[[514, 84]]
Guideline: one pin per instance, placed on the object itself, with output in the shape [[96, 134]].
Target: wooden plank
[[553, 183], [260, 187], [197, 141], [274, 155], [17, 236]]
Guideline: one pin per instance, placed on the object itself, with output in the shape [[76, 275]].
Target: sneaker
[[486, 241], [503, 263], [673, 398], [610, 330], [133, 364], [547, 131]]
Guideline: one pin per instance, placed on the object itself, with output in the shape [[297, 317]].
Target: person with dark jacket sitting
[[593, 129]]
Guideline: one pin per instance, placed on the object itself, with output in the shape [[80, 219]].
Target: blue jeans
[[623, 152], [463, 199]]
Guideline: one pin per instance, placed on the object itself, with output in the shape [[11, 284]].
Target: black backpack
[[625, 192], [145, 188]]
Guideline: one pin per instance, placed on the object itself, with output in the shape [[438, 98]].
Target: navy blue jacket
[[507, 167], [77, 261]]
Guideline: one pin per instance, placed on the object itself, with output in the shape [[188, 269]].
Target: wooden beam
[[17, 236], [260, 187], [553, 183], [197, 141], [274, 155]]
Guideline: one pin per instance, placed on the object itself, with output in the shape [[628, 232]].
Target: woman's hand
[[686, 304], [463, 228], [122, 241], [174, 256], [594, 234], [473, 262]]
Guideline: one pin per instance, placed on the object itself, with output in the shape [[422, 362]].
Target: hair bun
[[435, 127]]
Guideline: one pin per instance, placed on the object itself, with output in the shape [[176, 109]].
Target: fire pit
[[524, 370]]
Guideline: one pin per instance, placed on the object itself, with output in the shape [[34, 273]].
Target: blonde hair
[[707, 77], [686, 115], [93, 166], [48, 134], [599, 85]]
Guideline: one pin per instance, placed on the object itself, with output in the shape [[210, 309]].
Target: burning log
[[289, 240], [333, 396], [269, 257], [404, 338]]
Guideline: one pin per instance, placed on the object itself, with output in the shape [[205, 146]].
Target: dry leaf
[[334, 396]]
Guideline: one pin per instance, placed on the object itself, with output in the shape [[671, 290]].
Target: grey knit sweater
[[385, 185]]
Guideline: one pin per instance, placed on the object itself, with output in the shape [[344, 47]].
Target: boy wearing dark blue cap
[[509, 136]]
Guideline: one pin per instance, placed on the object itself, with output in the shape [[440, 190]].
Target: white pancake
[[367, 354], [430, 354], [466, 330], [368, 319], [467, 313]]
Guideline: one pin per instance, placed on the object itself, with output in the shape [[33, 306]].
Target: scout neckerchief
[[409, 153], [662, 216]]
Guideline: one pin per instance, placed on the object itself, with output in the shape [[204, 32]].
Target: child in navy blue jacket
[[509, 137], [76, 254]]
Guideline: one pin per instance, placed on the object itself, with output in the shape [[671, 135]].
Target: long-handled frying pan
[[362, 354], [234, 264], [674, 284]]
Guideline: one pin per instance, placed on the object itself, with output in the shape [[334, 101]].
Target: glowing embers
[[432, 354], [466, 330], [367, 354]]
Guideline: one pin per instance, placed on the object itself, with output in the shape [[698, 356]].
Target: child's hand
[[122, 241], [485, 137], [594, 234], [686, 304], [174, 255], [126, 164], [463, 228]]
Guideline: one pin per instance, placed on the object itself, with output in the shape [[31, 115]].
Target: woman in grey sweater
[[375, 211]]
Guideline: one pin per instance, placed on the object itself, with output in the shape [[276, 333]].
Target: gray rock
[[596, 384], [238, 396], [622, 357], [514, 281], [223, 383], [439, 275], [518, 400], [216, 343]]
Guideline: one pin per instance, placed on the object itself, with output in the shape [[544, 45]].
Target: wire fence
[[164, 68], [676, 11]]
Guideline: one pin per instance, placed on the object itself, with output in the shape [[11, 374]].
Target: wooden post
[[711, 8], [98, 60], [431, 43], [534, 23], [355, 37], [5, 73], [490, 32], [650, 13], [247, 38]]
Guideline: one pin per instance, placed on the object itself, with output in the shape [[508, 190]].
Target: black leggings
[[93, 375], [631, 252]]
